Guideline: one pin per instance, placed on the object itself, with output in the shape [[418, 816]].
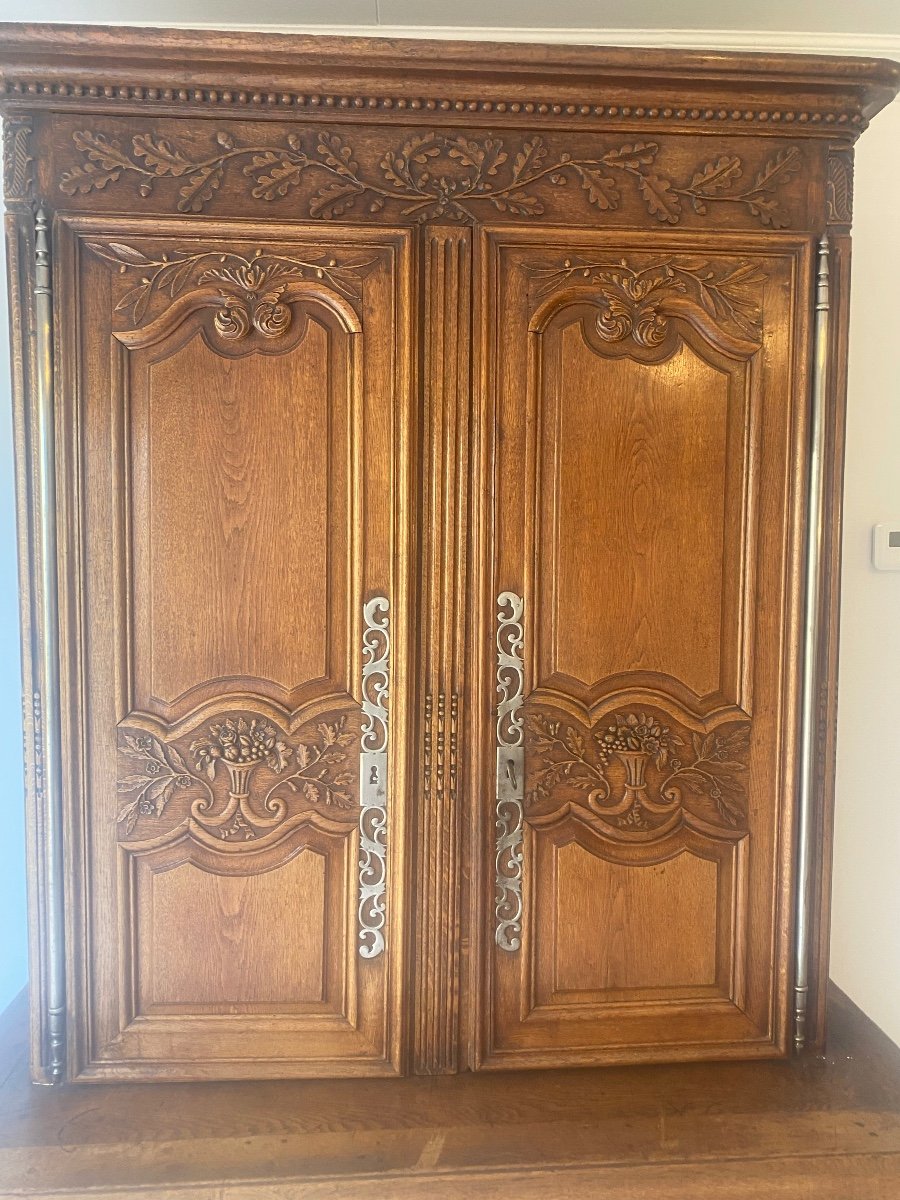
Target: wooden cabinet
[[429, 510]]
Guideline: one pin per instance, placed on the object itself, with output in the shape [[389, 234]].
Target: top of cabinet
[[373, 80]]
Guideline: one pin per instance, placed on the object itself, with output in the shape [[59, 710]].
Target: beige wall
[[866, 911], [875, 17]]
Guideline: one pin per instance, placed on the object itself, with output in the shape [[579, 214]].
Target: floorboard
[[822, 1126]]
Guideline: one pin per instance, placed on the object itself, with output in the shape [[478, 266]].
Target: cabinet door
[[643, 434], [236, 555]]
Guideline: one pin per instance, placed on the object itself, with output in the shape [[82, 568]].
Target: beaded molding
[[242, 97]]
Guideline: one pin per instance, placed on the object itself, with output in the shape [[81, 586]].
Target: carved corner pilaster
[[18, 161], [839, 187]]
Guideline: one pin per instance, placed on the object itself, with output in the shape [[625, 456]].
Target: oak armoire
[[429, 463]]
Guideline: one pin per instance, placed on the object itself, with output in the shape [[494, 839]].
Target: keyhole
[[373, 775], [511, 772]]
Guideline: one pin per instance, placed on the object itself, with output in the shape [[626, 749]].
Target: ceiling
[[862, 17]]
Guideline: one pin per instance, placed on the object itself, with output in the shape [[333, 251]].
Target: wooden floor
[[827, 1128]]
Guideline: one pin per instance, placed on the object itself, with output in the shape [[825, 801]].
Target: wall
[[874, 17], [866, 912], [12, 824]]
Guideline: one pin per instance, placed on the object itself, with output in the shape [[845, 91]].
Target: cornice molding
[[35, 94], [127, 69]]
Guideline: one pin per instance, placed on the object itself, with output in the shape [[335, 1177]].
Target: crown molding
[[558, 77], [765, 41]]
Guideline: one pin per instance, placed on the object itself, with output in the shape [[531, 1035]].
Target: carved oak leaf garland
[[432, 175]]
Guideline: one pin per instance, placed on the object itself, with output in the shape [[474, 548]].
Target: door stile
[[439, 839]]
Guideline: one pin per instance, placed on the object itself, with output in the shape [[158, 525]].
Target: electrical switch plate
[[886, 546]]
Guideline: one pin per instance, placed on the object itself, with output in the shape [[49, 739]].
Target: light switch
[[886, 546]]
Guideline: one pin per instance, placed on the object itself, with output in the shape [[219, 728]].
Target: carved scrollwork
[[240, 779], [434, 175], [509, 811], [637, 774], [638, 301], [250, 291], [373, 767]]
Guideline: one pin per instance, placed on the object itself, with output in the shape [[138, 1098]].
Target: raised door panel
[[638, 614], [213, 480], [239, 484], [658, 457]]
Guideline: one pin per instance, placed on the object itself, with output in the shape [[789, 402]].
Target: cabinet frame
[[576, 109]]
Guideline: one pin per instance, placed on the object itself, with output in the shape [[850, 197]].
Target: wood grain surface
[[827, 1126]]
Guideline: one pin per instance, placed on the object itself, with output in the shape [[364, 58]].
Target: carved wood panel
[[174, 888], [665, 437], [240, 780], [636, 421], [245, 410], [636, 774], [432, 175], [416, 173], [626, 894], [263, 475]]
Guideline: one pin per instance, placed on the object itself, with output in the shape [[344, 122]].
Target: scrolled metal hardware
[[510, 793], [373, 767]]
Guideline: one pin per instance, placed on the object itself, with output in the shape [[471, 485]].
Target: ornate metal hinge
[[510, 805], [373, 777]]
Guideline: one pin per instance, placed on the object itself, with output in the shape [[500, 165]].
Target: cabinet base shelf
[[825, 1124]]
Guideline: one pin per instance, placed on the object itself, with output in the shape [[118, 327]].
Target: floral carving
[[240, 745], [432, 175], [636, 774], [251, 292], [156, 771], [232, 752], [634, 301]]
